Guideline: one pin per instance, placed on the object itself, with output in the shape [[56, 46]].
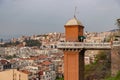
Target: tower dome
[[73, 21]]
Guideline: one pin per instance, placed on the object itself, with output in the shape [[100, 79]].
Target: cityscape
[[38, 58], [65, 50]]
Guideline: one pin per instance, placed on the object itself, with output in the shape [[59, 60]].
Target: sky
[[29, 17]]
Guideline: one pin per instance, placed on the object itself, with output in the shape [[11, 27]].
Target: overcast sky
[[30, 17]]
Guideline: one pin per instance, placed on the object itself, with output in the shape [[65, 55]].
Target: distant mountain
[[114, 30]]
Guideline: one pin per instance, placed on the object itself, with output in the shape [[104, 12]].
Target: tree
[[100, 69], [11, 44], [118, 23], [32, 43], [117, 77]]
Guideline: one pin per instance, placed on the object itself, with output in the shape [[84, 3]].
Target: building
[[47, 75], [4, 64], [73, 58], [13, 74], [87, 60]]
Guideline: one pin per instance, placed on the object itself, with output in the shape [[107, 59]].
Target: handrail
[[87, 45]]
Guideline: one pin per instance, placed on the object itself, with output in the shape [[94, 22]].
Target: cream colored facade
[[13, 74]]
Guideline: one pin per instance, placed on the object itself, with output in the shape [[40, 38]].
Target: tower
[[74, 58], [74, 30]]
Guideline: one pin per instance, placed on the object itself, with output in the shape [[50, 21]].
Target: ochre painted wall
[[72, 32], [71, 58], [71, 65], [8, 75]]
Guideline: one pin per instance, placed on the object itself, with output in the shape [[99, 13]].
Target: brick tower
[[74, 58]]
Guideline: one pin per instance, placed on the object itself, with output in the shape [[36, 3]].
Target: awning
[[81, 37]]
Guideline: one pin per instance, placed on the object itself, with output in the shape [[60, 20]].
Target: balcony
[[88, 46]]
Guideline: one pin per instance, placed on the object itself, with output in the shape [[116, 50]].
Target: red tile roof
[[25, 71], [4, 61], [42, 57], [12, 61], [46, 63]]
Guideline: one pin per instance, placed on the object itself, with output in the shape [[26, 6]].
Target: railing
[[86, 45], [116, 43]]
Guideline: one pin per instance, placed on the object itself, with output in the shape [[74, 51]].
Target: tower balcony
[[88, 46]]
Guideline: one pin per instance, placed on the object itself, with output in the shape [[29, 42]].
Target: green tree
[[11, 44], [100, 69], [32, 43], [117, 77], [59, 78]]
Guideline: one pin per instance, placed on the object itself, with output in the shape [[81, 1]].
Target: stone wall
[[115, 60]]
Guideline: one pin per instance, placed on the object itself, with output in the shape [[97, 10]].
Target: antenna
[[75, 12]]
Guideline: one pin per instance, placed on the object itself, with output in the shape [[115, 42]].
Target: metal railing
[[116, 43], [86, 45]]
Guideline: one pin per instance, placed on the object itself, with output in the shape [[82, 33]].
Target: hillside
[[100, 69]]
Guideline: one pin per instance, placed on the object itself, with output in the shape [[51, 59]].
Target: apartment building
[[13, 74], [47, 75]]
